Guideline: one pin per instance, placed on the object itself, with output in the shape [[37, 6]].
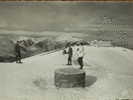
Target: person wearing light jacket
[[80, 55]]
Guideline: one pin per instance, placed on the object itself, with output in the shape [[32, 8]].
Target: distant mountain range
[[116, 31]]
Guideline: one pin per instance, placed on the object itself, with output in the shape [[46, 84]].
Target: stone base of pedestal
[[69, 77]]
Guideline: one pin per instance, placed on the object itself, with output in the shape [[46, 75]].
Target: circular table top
[[69, 71]]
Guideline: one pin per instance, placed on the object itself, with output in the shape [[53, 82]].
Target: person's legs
[[69, 60], [80, 60], [82, 63], [19, 58], [16, 59]]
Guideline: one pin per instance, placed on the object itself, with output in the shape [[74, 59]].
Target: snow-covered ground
[[109, 75]]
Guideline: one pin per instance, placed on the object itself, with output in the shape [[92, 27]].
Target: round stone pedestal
[[69, 77]]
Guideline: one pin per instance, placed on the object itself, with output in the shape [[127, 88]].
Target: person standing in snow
[[80, 55], [70, 54], [18, 52]]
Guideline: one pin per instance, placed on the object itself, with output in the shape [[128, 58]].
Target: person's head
[[17, 42], [69, 45], [81, 43], [78, 44]]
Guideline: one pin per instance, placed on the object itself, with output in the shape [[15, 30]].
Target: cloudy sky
[[61, 16]]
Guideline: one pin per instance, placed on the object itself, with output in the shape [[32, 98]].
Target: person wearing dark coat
[[70, 54], [18, 52]]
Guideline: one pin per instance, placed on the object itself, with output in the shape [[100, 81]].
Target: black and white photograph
[[66, 50]]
